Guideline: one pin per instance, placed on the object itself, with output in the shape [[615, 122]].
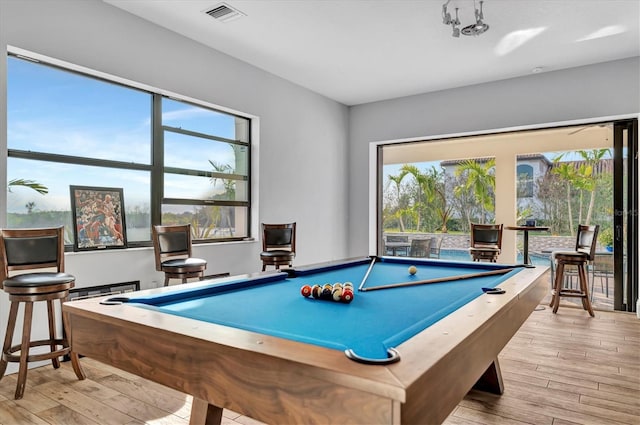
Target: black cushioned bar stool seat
[[37, 281], [183, 268], [18, 251], [277, 257]]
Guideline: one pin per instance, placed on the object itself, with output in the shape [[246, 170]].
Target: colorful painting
[[98, 214]]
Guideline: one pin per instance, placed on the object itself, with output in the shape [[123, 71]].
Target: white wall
[[601, 90], [295, 124]]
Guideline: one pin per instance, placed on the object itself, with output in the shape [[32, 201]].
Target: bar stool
[[486, 242], [583, 254], [172, 249], [26, 249], [278, 245]]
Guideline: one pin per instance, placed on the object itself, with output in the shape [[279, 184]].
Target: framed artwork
[[98, 217]]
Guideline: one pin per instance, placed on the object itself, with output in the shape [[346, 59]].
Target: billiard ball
[[305, 291], [337, 294], [413, 270], [347, 296], [316, 291], [326, 293]]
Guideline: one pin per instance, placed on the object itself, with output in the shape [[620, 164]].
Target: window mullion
[[157, 155]]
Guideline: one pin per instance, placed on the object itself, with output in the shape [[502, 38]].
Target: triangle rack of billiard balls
[[338, 292]]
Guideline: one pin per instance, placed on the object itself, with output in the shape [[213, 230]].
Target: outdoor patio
[[455, 247]]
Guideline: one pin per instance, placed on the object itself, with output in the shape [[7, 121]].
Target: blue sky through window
[[55, 111]]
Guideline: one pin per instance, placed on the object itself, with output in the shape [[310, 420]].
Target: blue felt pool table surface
[[371, 324]]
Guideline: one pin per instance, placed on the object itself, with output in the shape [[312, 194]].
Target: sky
[[55, 111]]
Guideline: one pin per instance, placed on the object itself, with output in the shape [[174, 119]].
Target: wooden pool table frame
[[275, 380]]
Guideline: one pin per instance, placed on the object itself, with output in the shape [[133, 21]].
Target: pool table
[[254, 344]]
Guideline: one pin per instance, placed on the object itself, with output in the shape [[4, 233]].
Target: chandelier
[[474, 29]]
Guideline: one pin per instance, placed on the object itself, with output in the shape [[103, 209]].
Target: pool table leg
[[203, 413], [491, 379]]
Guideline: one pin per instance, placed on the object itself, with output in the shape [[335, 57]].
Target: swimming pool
[[463, 255]]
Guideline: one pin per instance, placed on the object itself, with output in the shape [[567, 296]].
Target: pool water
[[463, 255]]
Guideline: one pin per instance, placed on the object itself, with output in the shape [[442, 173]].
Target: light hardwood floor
[[559, 369]]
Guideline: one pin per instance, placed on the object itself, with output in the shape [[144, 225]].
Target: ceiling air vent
[[224, 13]]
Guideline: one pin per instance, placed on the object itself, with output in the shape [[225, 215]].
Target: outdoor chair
[[420, 248], [397, 245], [434, 248], [602, 267]]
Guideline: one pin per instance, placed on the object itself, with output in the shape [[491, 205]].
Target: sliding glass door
[[557, 177], [625, 217]]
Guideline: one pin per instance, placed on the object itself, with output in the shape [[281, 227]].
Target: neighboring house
[[530, 168]]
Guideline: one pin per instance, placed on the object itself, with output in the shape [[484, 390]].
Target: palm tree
[[398, 213], [591, 158], [581, 178], [229, 193], [31, 184], [568, 174], [481, 180], [229, 184], [420, 179], [431, 185]]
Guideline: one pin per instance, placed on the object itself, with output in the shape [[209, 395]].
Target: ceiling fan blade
[[578, 130], [588, 126]]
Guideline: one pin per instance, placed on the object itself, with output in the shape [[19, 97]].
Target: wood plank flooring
[[558, 369]]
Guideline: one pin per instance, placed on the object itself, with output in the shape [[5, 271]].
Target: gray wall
[[601, 90], [295, 123]]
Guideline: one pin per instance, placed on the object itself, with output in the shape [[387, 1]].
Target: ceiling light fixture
[[474, 29]]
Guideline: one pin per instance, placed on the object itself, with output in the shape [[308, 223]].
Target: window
[[525, 180], [177, 161], [206, 170]]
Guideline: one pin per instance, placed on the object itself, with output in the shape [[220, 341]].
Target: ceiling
[[360, 51]]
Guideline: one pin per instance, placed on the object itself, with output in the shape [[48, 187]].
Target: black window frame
[[156, 167]]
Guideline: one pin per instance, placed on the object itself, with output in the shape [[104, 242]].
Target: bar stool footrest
[[8, 355], [572, 293]]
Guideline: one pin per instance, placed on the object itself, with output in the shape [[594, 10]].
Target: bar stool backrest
[[26, 249], [586, 240], [171, 241], [483, 235], [279, 237]]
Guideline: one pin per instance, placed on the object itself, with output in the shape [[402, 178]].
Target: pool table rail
[[467, 343], [241, 363]]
